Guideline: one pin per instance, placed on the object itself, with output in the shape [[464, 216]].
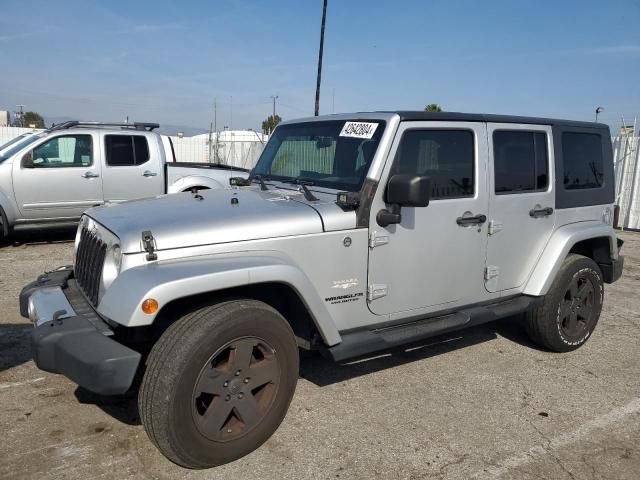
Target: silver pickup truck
[[50, 178]]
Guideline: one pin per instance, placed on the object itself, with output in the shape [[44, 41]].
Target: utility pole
[[21, 114], [215, 128], [274, 113], [324, 17]]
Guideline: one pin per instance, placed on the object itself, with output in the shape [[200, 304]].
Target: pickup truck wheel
[[4, 226], [218, 383], [570, 311]]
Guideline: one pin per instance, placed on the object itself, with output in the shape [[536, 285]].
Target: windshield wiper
[[310, 197], [263, 186]]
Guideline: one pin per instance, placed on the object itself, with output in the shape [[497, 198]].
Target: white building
[[4, 118]]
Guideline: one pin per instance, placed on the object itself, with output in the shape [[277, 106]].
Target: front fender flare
[[175, 279], [558, 248], [9, 207]]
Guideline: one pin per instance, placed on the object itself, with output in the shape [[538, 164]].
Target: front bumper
[[71, 339]]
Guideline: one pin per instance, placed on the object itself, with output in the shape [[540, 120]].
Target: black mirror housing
[[27, 160], [409, 190]]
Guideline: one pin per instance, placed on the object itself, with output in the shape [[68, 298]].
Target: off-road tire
[[184, 356], [4, 226], [564, 321]]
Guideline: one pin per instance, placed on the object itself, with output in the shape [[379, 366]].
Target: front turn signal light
[[150, 306]]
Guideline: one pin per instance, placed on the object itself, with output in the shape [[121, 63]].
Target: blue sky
[[166, 61]]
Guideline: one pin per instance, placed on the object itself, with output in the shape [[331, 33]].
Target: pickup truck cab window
[[126, 150], [61, 152], [520, 161], [446, 156], [331, 154]]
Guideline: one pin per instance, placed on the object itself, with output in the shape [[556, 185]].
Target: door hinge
[[376, 291], [491, 272], [494, 227], [375, 239]]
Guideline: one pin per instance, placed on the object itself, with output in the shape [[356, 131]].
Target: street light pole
[[324, 16], [599, 110]]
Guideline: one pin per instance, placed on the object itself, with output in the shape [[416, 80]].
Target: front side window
[[446, 156], [126, 150], [331, 154], [582, 160], [519, 161], [61, 152]]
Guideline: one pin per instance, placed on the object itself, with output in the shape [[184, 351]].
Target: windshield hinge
[[375, 239], [149, 245]]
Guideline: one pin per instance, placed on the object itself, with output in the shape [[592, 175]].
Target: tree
[[32, 118], [270, 123], [433, 107]]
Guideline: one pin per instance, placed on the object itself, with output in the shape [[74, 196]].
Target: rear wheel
[[570, 311], [4, 226], [219, 383]]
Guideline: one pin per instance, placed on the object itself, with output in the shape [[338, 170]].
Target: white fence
[[240, 148], [9, 133], [626, 154]]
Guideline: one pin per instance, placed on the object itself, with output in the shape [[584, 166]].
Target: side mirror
[[27, 160], [404, 190]]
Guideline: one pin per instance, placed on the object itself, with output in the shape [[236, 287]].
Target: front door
[[434, 258], [522, 199], [58, 178]]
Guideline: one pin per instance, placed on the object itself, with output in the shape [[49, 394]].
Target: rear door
[[132, 166], [58, 178], [521, 202]]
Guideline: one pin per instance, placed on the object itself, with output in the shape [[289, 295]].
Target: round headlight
[[112, 264]]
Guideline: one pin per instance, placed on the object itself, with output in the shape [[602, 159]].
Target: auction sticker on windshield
[[358, 129]]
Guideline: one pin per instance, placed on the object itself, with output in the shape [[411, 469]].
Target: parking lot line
[[563, 440]]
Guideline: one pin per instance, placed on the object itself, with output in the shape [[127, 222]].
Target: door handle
[[89, 175], [148, 173], [536, 212], [473, 220]]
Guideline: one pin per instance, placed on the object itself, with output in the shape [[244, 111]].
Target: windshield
[[17, 146], [12, 141], [331, 154]]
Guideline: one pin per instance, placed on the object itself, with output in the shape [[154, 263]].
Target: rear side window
[[126, 150], [582, 160], [520, 161], [447, 156]]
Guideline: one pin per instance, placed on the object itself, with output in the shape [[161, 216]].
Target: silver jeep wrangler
[[354, 233]]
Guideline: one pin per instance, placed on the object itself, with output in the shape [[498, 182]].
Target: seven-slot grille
[[89, 263]]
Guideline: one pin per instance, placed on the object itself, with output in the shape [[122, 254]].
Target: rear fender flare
[[557, 249]]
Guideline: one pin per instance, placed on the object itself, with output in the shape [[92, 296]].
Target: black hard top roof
[[488, 117]]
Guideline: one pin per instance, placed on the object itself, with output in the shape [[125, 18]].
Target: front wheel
[[570, 311], [219, 383]]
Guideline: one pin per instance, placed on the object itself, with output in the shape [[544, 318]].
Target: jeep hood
[[214, 216]]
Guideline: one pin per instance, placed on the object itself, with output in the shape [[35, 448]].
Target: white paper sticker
[[358, 129]]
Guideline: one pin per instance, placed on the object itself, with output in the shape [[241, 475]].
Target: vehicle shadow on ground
[[323, 372], [15, 345], [39, 237]]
